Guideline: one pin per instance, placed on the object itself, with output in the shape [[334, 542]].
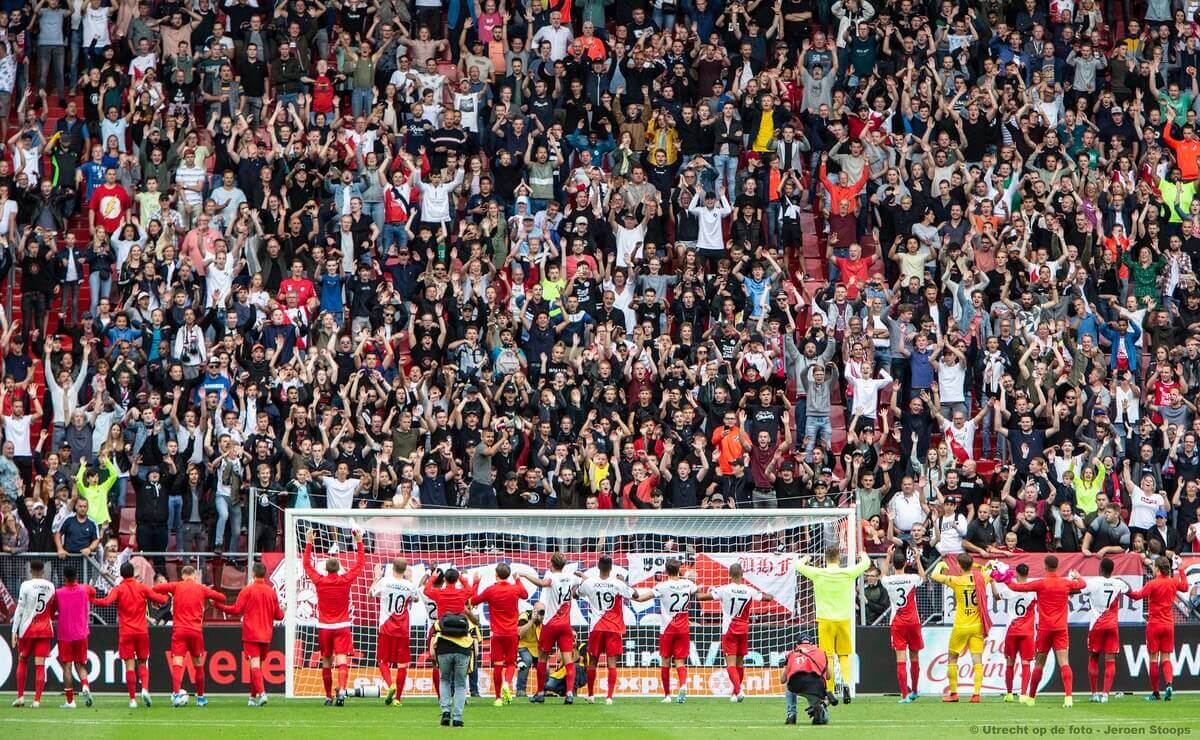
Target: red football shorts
[[1048, 640], [675, 643], [335, 641], [735, 644], [255, 649], [907, 637], [1104, 640], [34, 647], [605, 642], [556, 634], [394, 649], [134, 646], [1160, 638], [74, 651], [187, 643], [1019, 646], [504, 649]]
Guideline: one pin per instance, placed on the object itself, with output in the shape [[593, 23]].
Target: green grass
[[230, 718]]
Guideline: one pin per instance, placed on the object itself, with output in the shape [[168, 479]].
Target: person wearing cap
[[38, 521], [1163, 532], [434, 475]]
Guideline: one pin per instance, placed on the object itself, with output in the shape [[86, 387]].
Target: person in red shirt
[[296, 284], [109, 204], [1159, 593], [504, 606], [843, 196], [187, 632], [333, 615], [322, 90], [1053, 592], [133, 641], [258, 605], [854, 270], [1187, 151], [1018, 637]]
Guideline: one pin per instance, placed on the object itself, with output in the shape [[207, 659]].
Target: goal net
[[766, 545]]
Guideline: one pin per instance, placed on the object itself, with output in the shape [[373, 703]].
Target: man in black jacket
[[39, 522], [151, 513], [768, 117], [727, 145]]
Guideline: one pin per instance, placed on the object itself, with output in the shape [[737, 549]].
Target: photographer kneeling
[[806, 673]]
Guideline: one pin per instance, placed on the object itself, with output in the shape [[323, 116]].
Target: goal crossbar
[[458, 532]]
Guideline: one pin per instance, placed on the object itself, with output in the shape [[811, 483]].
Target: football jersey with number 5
[[32, 618]]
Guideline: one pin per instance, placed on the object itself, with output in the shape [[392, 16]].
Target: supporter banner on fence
[[707, 681], [1127, 567], [770, 573]]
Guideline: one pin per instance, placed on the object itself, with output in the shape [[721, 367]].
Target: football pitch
[[877, 717]]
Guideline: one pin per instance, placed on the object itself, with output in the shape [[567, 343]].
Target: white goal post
[[765, 542]]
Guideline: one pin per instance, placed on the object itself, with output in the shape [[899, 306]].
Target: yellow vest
[[766, 129]]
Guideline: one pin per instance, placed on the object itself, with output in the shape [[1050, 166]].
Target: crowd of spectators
[[933, 260]]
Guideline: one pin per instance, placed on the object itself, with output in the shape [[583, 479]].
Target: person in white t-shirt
[[866, 390], [958, 429], [467, 103], [950, 530], [95, 28], [16, 429], [395, 593], [340, 488], [951, 367], [906, 508], [1144, 501]]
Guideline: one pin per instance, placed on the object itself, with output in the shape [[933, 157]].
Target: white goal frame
[[778, 518]]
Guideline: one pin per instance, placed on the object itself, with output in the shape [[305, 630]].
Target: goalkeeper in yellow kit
[[971, 621], [833, 592]]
